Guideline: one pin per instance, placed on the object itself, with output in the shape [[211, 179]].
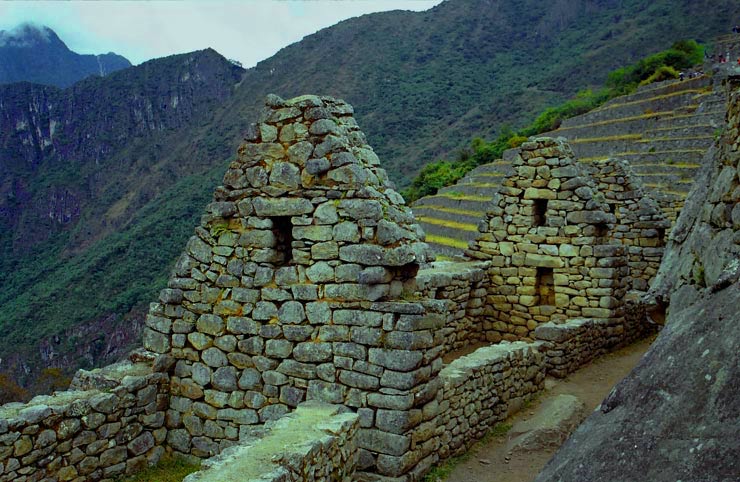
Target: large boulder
[[675, 417]]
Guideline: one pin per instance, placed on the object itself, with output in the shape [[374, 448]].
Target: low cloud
[[24, 35]]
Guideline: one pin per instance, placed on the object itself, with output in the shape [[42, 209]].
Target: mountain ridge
[[37, 54]]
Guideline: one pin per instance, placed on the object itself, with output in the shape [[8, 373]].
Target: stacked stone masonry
[[482, 389], [302, 285], [464, 288], [641, 227], [548, 239], [316, 442], [108, 425]]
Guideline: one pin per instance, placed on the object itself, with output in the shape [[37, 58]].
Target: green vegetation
[[116, 275], [169, 469], [657, 67]]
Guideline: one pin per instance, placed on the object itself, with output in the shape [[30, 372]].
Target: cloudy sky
[[244, 30]]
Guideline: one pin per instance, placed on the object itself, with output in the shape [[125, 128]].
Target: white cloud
[[248, 31]]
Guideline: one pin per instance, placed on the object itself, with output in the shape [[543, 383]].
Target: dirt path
[[488, 462]]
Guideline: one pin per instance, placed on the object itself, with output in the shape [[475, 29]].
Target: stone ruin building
[[565, 240], [304, 303]]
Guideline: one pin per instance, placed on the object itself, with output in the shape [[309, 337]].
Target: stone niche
[[549, 238], [296, 286]]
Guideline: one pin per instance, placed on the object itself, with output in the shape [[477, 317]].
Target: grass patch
[[169, 469], [624, 137], [463, 197], [668, 113], [685, 138], [445, 241], [698, 92], [441, 472], [449, 224], [461, 212]]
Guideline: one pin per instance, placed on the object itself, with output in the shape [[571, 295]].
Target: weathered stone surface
[[639, 434], [550, 426]]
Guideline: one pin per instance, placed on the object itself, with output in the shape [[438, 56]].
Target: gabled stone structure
[[547, 238], [292, 289], [640, 226]]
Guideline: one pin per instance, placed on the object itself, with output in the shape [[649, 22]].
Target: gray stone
[[211, 324], [250, 379], [317, 166], [286, 175], [320, 272], [399, 360], [300, 152], [272, 207], [36, 413], [383, 442], [278, 348], [643, 443], [264, 310], [550, 426], [358, 380], [318, 313], [296, 369], [347, 231], [213, 357], [312, 352], [291, 312], [155, 341], [242, 326], [104, 403], [224, 379]]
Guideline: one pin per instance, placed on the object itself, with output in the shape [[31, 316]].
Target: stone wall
[[316, 442], [464, 287], [570, 345], [482, 389], [295, 288], [640, 225], [547, 239], [86, 433]]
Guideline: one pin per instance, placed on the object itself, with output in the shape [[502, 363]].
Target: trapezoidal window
[[539, 212], [283, 230], [545, 286], [661, 236], [601, 230]]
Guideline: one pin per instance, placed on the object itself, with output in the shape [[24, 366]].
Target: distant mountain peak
[[28, 34], [34, 53]]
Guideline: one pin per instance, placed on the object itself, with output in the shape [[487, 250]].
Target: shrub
[[664, 72]]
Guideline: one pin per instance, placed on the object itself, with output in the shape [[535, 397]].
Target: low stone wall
[[570, 345], [482, 389], [464, 287], [87, 434], [315, 442]]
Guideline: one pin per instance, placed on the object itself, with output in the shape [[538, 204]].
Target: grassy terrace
[[461, 212], [460, 196], [699, 93], [677, 165], [623, 137], [445, 241], [685, 138], [448, 224], [642, 153], [668, 113]]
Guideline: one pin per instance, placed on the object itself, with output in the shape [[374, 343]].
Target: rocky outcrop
[[675, 417]]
